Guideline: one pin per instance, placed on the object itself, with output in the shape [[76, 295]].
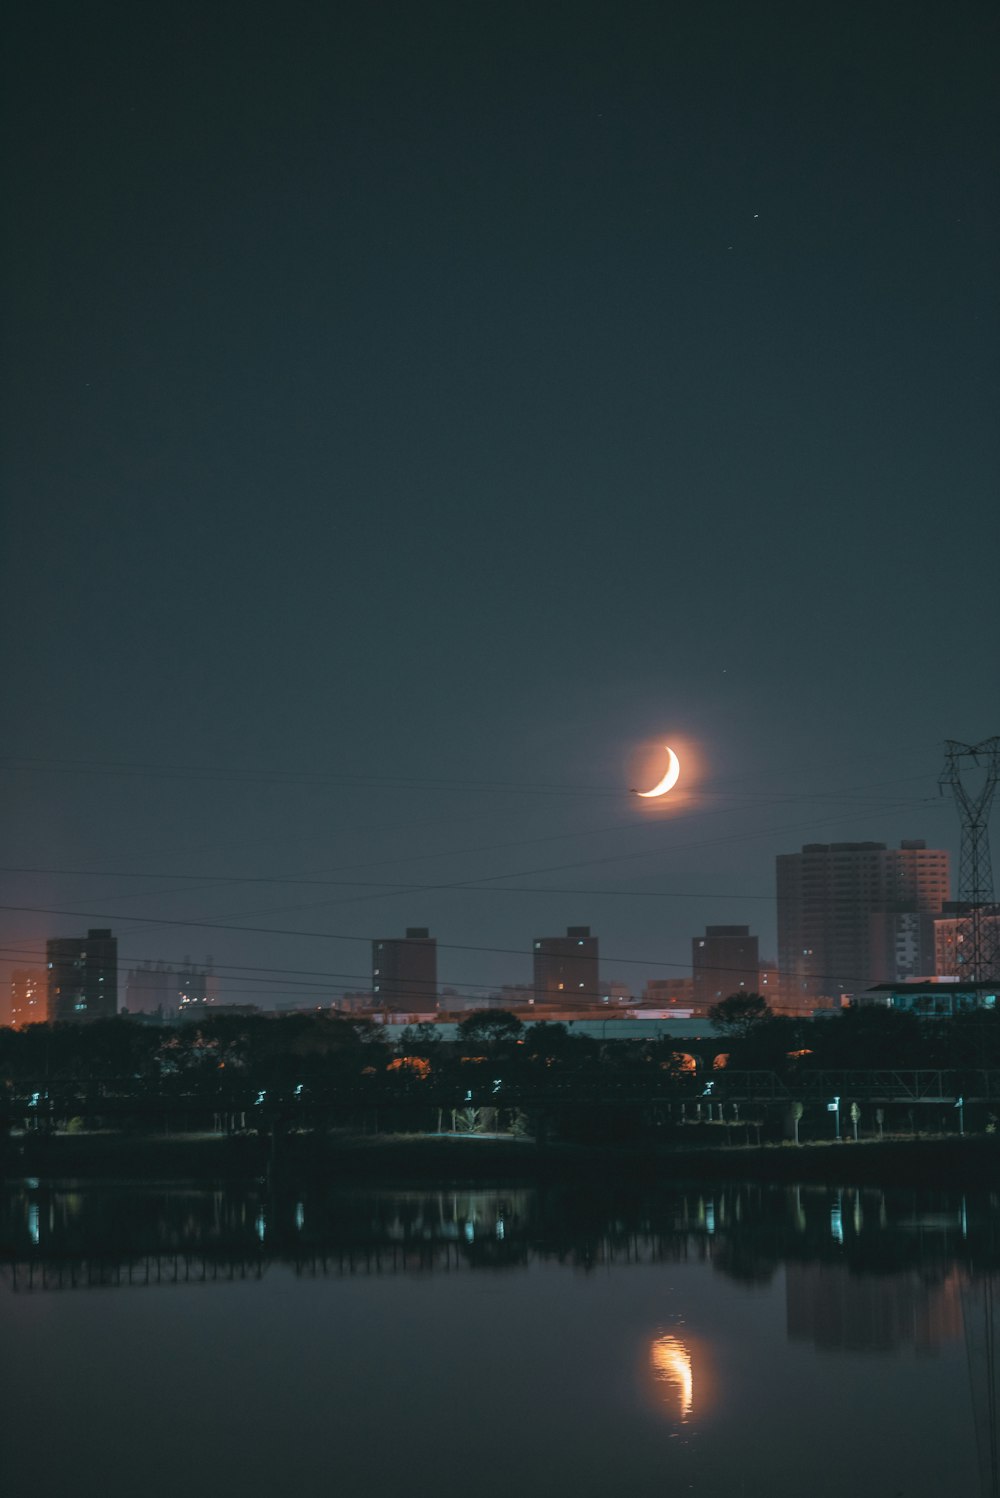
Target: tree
[[492, 1028], [420, 1040], [739, 1015]]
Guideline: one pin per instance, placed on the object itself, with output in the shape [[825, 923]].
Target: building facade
[[724, 961], [567, 968], [160, 989], [665, 993], [404, 971], [952, 938], [83, 977], [828, 943], [28, 997], [933, 998]]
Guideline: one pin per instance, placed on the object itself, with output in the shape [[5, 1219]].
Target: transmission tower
[[979, 916]]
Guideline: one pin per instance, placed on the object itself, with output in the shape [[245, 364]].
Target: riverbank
[[440, 1159]]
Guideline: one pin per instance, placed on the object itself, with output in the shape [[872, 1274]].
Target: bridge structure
[[52, 1103]]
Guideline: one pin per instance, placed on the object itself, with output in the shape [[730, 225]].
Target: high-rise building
[[828, 942], [151, 988], [951, 938], [196, 986], [901, 945], [567, 967], [724, 961], [158, 988], [28, 997], [404, 971], [83, 976]]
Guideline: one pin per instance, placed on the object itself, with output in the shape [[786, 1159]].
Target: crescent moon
[[670, 778]]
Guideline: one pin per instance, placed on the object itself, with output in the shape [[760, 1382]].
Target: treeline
[[223, 1055], [304, 1055], [860, 1037]]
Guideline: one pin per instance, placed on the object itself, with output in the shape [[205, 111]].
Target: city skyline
[[875, 914], [412, 428]]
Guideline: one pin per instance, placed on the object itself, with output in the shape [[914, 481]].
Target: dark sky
[[411, 410]]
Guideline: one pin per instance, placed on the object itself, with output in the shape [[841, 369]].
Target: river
[[182, 1341]]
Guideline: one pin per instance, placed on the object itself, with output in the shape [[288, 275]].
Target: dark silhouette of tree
[[869, 1035], [422, 1040], [739, 1015], [492, 1028]]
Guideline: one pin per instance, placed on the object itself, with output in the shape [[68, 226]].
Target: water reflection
[[824, 1238], [671, 1364], [837, 1309], [747, 1325]]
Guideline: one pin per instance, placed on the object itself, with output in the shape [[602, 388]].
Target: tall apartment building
[[404, 971], [28, 997], [83, 976], [151, 988], [567, 967], [724, 961], [951, 938], [159, 988], [839, 910]]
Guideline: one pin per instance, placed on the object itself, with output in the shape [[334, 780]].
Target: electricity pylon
[[980, 918]]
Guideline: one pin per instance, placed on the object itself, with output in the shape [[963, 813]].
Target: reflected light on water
[[671, 1363]]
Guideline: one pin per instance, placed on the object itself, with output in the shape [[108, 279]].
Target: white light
[[670, 778], [837, 1223]]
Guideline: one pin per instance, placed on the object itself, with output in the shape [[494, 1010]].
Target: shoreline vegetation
[[412, 1159]]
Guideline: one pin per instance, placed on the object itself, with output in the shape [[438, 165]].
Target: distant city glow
[[671, 1363]]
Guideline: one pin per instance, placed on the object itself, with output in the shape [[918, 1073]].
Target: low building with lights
[[932, 998]]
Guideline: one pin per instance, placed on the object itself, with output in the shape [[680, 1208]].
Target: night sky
[[414, 412]]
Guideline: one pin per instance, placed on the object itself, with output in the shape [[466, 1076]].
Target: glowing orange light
[[721, 1061], [671, 1363], [419, 1065]]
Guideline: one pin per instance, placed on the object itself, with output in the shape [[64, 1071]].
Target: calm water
[[742, 1342]]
